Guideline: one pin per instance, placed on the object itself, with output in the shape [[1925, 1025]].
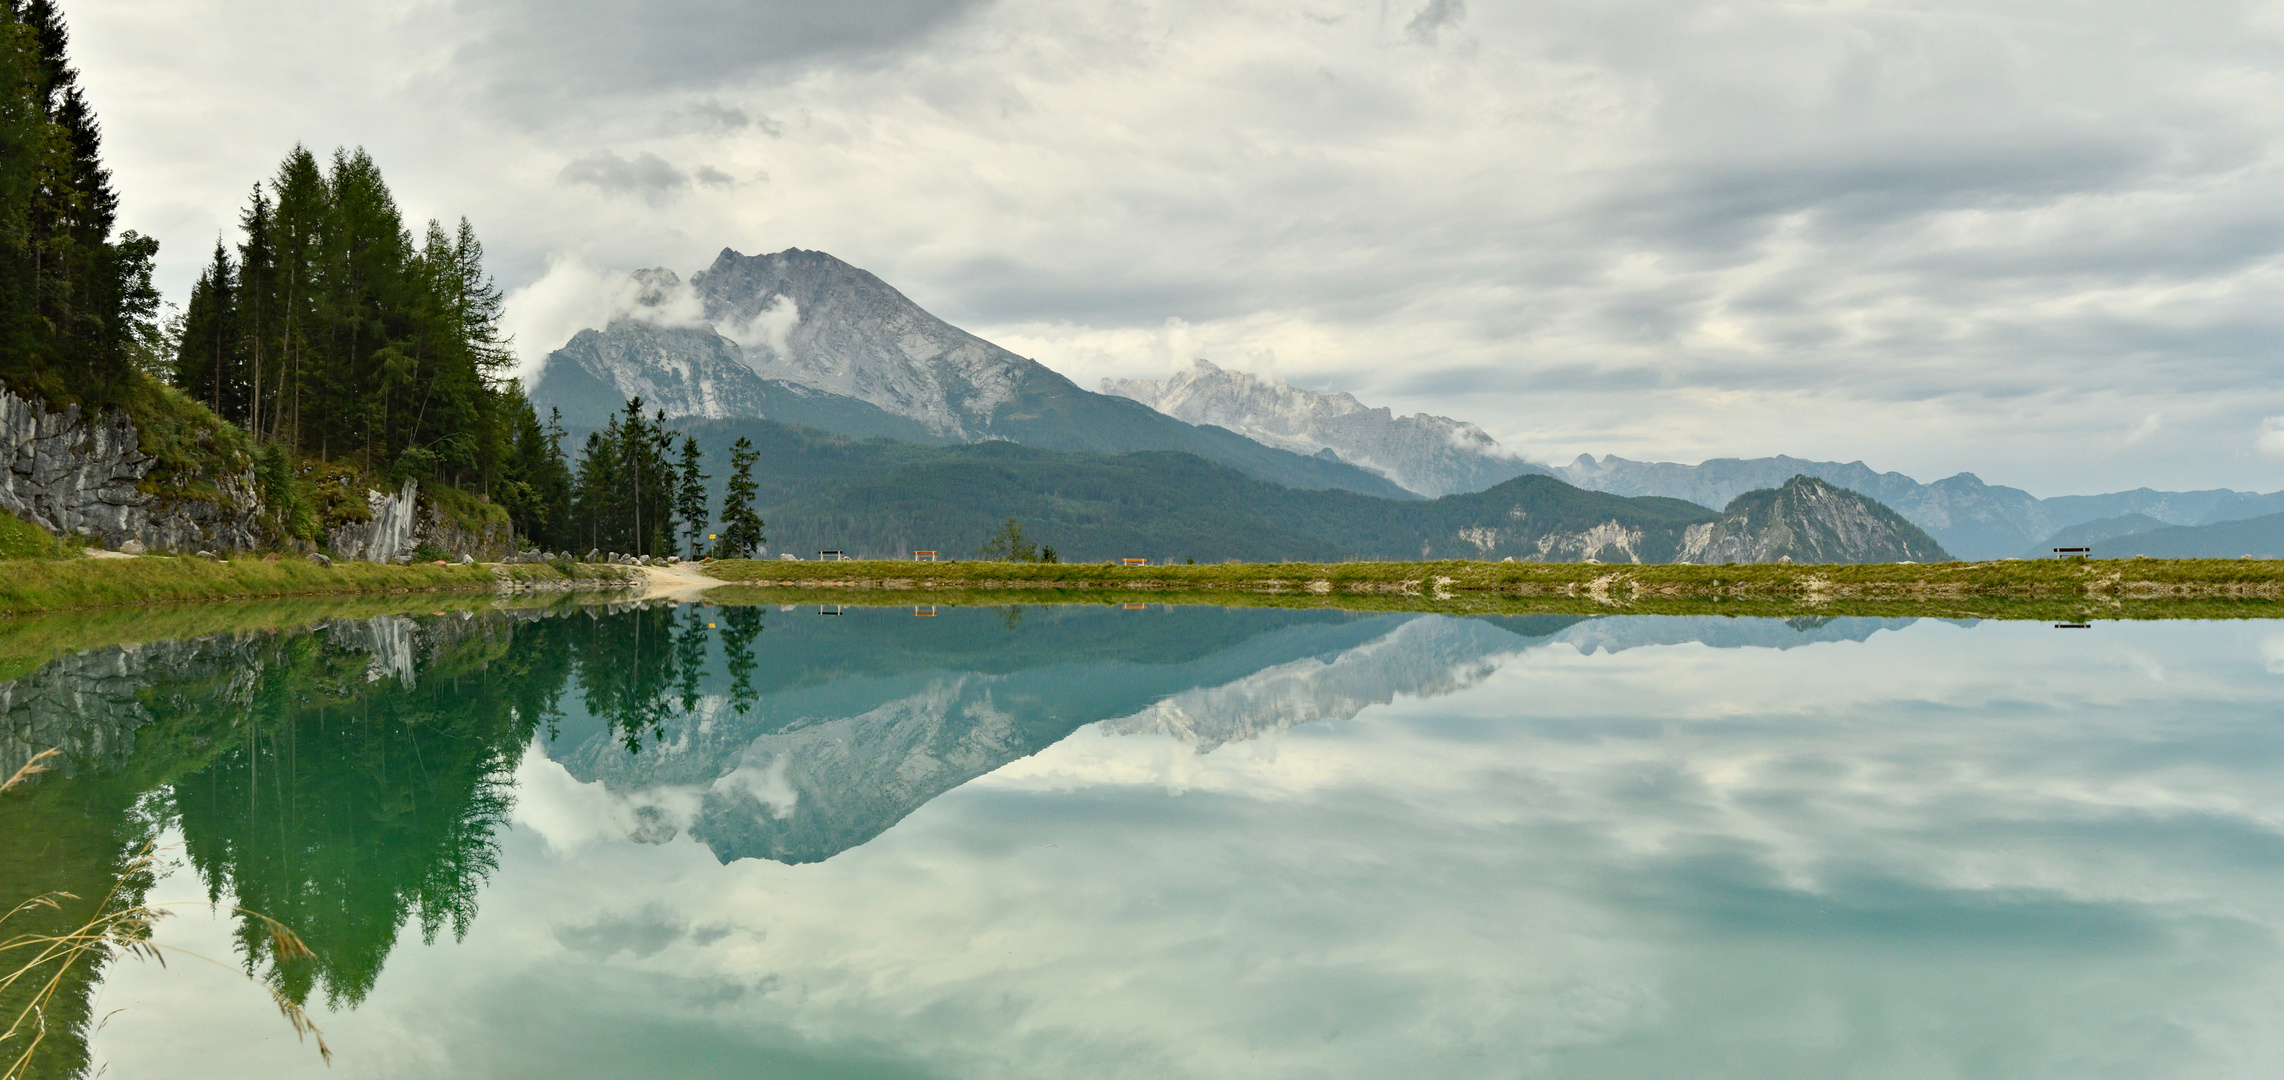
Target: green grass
[[28, 641], [20, 539], [193, 446], [28, 586], [1928, 586]]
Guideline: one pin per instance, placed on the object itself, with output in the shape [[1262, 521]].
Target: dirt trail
[[681, 581]]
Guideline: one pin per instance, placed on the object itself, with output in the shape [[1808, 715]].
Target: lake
[[1060, 842]]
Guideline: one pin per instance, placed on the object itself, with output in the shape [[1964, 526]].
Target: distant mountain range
[[2131, 535], [802, 337], [884, 499], [1971, 519], [1435, 455], [1432, 455]]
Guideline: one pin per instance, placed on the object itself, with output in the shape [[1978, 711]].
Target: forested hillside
[[881, 498], [328, 350]]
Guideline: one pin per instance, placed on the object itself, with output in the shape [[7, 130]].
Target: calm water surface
[[1186, 842]]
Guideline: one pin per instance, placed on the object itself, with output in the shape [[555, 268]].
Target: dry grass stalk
[[118, 929], [31, 768]]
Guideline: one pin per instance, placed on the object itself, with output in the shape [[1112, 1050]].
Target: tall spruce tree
[[741, 530], [626, 489], [690, 496], [72, 298], [535, 483], [210, 362]]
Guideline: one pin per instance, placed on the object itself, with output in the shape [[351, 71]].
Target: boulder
[[319, 558]]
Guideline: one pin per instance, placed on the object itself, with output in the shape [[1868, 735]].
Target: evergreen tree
[[626, 489], [210, 358], [690, 496], [741, 526], [75, 304], [595, 492], [535, 484]]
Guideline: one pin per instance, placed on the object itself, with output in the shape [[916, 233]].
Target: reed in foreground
[[43, 964]]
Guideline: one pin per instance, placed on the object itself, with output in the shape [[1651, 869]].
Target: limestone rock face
[[1808, 521], [72, 474], [90, 704], [1430, 455], [401, 523], [388, 535]]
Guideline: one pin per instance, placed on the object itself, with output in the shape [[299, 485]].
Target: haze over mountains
[[800, 337]]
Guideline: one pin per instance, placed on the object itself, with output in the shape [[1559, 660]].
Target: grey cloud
[[723, 117], [714, 116], [647, 176], [644, 933], [1434, 17], [590, 48], [1989, 205]]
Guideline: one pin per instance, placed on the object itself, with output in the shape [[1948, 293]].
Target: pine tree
[[76, 304], [595, 492], [741, 533], [291, 296], [209, 361], [535, 483], [690, 496]]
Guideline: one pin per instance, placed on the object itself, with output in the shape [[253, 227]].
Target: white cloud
[[1937, 237], [768, 327], [2271, 439], [573, 296]]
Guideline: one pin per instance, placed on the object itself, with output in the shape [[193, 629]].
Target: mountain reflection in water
[[356, 778]]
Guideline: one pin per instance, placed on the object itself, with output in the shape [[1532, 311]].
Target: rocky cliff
[[1808, 521], [73, 474], [402, 523], [1431, 455]]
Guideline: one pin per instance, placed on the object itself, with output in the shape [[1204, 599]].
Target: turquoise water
[[1186, 842]]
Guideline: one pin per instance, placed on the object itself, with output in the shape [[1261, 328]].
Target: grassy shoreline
[[2062, 590], [2255, 584], [33, 586]]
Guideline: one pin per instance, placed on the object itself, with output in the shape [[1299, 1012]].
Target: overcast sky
[[2043, 242]]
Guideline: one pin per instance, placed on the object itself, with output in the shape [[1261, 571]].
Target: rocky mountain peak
[[1430, 455], [802, 337], [809, 318], [1808, 521]]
